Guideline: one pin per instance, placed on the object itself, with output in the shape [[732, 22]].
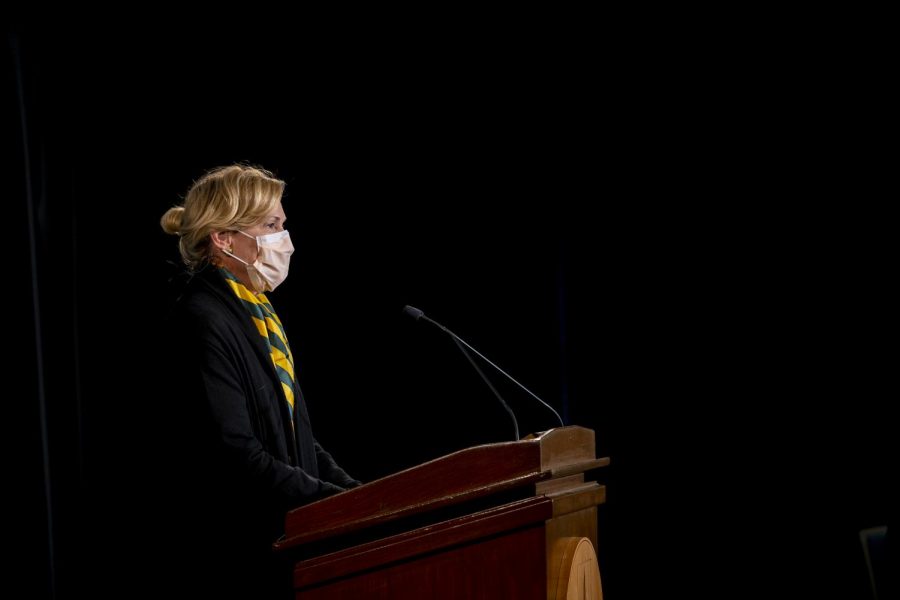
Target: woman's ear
[[222, 240]]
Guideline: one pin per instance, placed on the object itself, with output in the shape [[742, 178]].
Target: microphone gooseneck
[[462, 345]]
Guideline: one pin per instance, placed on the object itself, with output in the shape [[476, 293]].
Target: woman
[[247, 452]]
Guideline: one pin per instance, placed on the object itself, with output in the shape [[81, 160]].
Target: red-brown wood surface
[[458, 477], [511, 565], [462, 530]]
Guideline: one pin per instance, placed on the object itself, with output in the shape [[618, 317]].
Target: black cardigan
[[229, 386]]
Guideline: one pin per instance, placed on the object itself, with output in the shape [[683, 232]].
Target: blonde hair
[[224, 199]]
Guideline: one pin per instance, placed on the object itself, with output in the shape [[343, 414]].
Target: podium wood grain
[[478, 523]]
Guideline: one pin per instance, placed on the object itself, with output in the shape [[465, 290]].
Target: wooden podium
[[505, 520]]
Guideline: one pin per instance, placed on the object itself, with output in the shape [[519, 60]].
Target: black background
[[600, 215]]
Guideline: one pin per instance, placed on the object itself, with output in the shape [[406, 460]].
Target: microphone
[[417, 314]]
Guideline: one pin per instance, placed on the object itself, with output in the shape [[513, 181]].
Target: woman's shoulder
[[199, 296]]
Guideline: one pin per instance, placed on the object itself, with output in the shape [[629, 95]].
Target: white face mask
[[272, 261]]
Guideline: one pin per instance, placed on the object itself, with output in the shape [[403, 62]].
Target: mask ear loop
[[230, 250], [252, 237]]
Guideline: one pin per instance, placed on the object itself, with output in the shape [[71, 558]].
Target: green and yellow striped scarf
[[269, 326]]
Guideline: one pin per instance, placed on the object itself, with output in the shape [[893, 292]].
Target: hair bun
[[171, 220]]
